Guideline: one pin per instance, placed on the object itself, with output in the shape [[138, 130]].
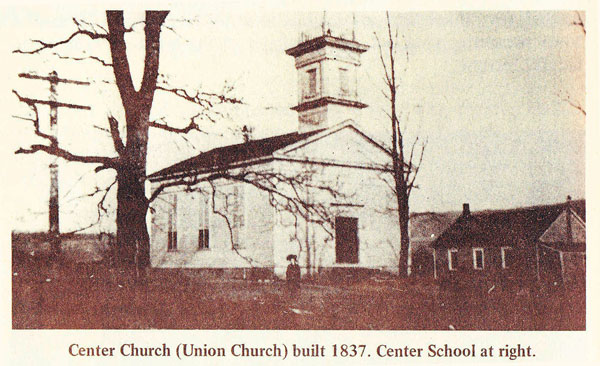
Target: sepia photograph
[[273, 169]]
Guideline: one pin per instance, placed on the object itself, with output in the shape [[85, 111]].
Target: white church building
[[322, 193]]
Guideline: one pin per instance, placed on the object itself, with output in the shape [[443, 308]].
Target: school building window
[[507, 257], [478, 258], [452, 259]]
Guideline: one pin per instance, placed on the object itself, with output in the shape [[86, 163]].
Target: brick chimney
[[247, 133], [466, 209]]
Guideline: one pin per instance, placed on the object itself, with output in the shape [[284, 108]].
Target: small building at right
[[561, 249], [540, 243]]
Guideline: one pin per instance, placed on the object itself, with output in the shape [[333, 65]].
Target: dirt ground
[[91, 296]]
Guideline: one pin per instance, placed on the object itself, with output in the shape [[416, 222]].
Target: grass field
[[92, 295]]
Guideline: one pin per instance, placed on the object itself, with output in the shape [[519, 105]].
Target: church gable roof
[[292, 145], [342, 144], [346, 125], [223, 157]]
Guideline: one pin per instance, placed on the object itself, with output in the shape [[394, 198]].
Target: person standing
[[292, 276]]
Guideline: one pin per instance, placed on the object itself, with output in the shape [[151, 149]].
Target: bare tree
[[404, 168], [131, 148]]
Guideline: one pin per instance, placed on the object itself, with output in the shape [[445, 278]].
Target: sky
[[484, 89]]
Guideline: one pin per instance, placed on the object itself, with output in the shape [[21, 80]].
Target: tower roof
[[327, 100], [326, 40]]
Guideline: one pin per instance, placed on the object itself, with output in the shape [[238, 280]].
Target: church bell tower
[[327, 81]]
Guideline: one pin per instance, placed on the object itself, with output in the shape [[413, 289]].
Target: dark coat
[[292, 275]]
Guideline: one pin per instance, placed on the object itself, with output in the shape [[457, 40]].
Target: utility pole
[[53, 208]]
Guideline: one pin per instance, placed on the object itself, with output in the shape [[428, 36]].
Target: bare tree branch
[[35, 120], [384, 65], [154, 21], [234, 245], [79, 31], [66, 194], [101, 209], [116, 135], [187, 181], [297, 202], [107, 162], [118, 51], [288, 193], [101, 129], [93, 58], [275, 184], [203, 99], [412, 151], [415, 170], [192, 126], [89, 24]]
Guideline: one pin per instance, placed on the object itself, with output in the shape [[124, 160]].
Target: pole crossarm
[[54, 79], [54, 103]]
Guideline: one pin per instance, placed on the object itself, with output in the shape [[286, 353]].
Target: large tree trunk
[[401, 185], [403, 217], [133, 246], [132, 204]]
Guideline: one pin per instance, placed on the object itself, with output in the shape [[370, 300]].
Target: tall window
[[203, 223], [507, 257], [478, 259], [239, 217], [172, 224], [452, 259], [344, 86], [312, 82]]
